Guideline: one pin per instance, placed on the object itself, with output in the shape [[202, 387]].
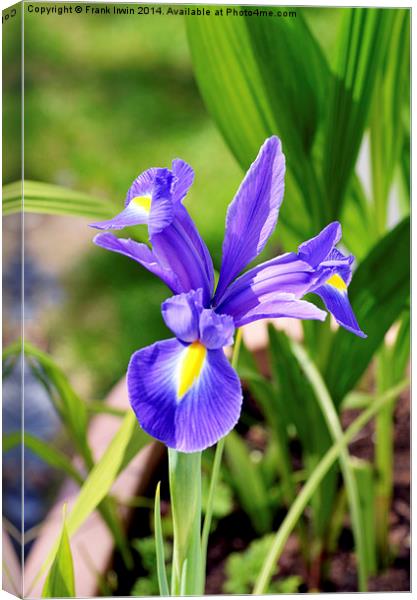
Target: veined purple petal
[[133, 214], [315, 250], [207, 411], [252, 215], [175, 250], [141, 254], [335, 297], [181, 314], [286, 274], [281, 307], [216, 331], [190, 230], [184, 175], [162, 211], [143, 184]]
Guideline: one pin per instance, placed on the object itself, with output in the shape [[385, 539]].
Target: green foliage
[[242, 569], [38, 197], [159, 546], [379, 293], [250, 488], [60, 580], [264, 76], [148, 585], [293, 515], [222, 501]]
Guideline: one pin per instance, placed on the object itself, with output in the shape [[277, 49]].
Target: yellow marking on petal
[[190, 368], [143, 202], [337, 282]]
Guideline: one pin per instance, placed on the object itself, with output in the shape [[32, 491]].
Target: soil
[[235, 533]]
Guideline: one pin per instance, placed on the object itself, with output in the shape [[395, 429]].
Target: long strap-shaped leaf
[[329, 412], [98, 483], [260, 77], [51, 199], [310, 487], [361, 55]]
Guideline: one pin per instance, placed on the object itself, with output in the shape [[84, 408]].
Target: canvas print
[[206, 299]]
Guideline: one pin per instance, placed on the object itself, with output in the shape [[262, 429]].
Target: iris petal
[[286, 274], [335, 297], [252, 215], [281, 306], [133, 214], [205, 413], [216, 330], [162, 210], [184, 175], [315, 250], [181, 314], [175, 250], [141, 254]]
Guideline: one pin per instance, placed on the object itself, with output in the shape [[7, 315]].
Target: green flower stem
[[185, 490], [297, 508], [216, 470]]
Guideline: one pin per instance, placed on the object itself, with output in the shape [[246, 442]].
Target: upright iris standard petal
[[184, 395], [216, 331], [182, 315], [252, 215], [161, 213], [315, 250], [141, 254], [175, 250], [199, 247], [184, 177]]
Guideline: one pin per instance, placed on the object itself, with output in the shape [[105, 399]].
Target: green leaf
[[256, 81], [250, 489], [51, 199], [50, 455], [361, 54], [102, 476], [60, 580], [390, 116], [70, 407], [98, 483], [294, 401], [159, 545], [379, 292], [329, 413], [364, 474]]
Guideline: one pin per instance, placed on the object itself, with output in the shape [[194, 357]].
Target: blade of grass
[[312, 483], [159, 543], [329, 412], [60, 581]]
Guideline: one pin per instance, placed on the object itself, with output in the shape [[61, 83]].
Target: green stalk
[[297, 508], [384, 457], [185, 490], [216, 470]]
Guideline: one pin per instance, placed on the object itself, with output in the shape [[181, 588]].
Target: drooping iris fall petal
[[186, 396]]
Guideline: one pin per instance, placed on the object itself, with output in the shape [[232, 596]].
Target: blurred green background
[[106, 97]]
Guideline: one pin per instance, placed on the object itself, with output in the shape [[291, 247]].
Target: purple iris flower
[[183, 390]]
